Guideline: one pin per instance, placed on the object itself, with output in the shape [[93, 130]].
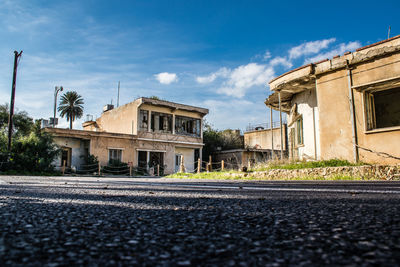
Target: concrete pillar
[[173, 123], [149, 122]]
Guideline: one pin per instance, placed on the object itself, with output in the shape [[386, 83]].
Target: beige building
[[146, 132], [347, 107], [258, 143]]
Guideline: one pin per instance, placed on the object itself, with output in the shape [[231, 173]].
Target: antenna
[[118, 95], [389, 33]]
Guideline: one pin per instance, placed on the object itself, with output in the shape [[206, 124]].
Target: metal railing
[[263, 126]]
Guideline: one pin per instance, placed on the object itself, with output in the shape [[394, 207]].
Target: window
[[187, 126], [143, 120], [115, 155], [161, 122], [382, 108], [299, 129]]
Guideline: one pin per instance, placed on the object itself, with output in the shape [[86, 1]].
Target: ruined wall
[[307, 107], [99, 147], [120, 120], [188, 157], [384, 139], [334, 113], [334, 109], [78, 148], [262, 139], [166, 148]]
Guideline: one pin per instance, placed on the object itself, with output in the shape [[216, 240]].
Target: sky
[[214, 54]]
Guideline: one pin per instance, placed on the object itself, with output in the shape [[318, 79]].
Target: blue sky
[[214, 54]]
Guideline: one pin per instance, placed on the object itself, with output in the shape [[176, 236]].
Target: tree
[[215, 140], [22, 122], [71, 106], [33, 152]]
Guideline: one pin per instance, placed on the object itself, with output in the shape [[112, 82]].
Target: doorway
[[178, 158], [66, 156]]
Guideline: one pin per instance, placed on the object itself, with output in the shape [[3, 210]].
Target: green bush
[[32, 153]]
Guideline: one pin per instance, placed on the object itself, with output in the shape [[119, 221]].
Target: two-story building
[[146, 132]]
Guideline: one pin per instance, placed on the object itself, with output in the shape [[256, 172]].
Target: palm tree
[[71, 106]]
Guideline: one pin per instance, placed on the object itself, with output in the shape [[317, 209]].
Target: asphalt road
[[58, 221]]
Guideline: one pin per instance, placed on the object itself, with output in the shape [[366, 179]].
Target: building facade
[[145, 133], [347, 107]]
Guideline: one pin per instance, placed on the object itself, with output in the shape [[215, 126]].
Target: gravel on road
[[59, 221]]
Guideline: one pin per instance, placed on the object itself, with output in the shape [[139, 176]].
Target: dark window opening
[[143, 120], [187, 126], [142, 160], [299, 128], [115, 155], [382, 108], [161, 122]]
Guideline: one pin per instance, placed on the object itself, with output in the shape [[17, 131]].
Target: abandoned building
[[347, 107], [261, 143], [145, 133]]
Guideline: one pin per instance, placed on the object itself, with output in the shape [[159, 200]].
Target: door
[[66, 156], [142, 161], [178, 158]]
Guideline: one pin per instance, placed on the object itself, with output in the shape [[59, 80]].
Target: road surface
[[53, 221]]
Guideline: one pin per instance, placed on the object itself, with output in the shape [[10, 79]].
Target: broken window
[[161, 122], [115, 155], [382, 108], [299, 129], [143, 120], [187, 126]]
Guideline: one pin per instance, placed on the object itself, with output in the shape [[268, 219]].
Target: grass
[[228, 175], [304, 164], [249, 177]]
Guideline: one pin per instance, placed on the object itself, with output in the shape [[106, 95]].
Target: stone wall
[[366, 172]]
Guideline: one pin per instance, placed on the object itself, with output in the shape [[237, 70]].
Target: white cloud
[[309, 48], [244, 77], [222, 72], [222, 112], [281, 61], [338, 51], [267, 55], [166, 77]]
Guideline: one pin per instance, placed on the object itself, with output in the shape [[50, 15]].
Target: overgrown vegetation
[[303, 164], [32, 150], [216, 140], [230, 175], [222, 175]]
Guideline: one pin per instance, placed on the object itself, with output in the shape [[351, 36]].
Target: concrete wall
[[188, 157], [99, 147], [307, 107], [380, 140], [334, 111], [78, 148], [119, 120], [262, 139]]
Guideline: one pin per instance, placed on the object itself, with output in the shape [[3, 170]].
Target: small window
[[143, 120], [115, 155], [299, 129], [382, 108]]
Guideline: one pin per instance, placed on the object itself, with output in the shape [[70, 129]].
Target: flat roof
[[173, 105], [337, 61]]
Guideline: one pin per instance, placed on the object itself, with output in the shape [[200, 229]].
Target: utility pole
[[10, 118], [118, 95], [56, 90]]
